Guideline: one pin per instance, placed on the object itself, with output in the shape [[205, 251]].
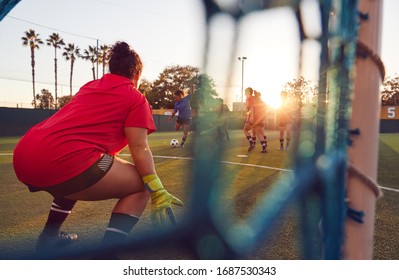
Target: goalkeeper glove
[[161, 200]]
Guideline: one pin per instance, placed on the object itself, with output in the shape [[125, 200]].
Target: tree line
[[160, 92], [71, 53], [390, 92]]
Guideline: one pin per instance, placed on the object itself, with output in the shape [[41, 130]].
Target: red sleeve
[[140, 115]]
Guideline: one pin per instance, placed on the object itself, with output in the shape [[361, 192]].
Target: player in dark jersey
[[183, 110]]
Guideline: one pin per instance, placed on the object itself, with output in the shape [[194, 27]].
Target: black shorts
[[84, 180], [183, 121]]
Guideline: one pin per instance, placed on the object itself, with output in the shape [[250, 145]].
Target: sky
[[168, 33]]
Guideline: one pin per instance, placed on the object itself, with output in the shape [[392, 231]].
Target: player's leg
[[262, 138], [253, 142], [246, 131], [226, 130], [256, 132], [178, 126], [59, 211], [282, 130], [123, 182], [186, 127], [250, 135], [51, 236], [288, 135]]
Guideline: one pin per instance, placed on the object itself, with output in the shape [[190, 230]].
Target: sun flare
[[272, 100]]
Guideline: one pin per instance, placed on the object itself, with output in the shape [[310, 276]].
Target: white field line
[[227, 162]]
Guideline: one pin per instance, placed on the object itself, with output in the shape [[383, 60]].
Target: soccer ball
[[174, 143]]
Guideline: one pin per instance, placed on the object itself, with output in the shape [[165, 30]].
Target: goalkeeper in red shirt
[[73, 154]]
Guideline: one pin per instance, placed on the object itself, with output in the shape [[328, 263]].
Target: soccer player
[[285, 121], [259, 113], [73, 154], [183, 109], [248, 125], [222, 110]]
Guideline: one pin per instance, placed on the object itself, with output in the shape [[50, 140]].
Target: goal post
[[362, 190]]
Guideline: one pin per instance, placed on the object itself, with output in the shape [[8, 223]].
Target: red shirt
[[249, 106], [259, 111], [90, 125]]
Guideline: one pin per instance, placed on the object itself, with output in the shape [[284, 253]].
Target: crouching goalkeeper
[[72, 154]]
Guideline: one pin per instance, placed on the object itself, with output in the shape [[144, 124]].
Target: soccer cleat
[[45, 242], [251, 146], [181, 145], [281, 148], [264, 150], [286, 147], [68, 237]]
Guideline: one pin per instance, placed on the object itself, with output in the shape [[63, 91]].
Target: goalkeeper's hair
[[125, 61]]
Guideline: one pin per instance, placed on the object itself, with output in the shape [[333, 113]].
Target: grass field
[[22, 214]]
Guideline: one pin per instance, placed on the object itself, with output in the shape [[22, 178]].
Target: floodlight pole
[[242, 59]]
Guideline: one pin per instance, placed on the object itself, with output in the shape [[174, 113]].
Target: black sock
[[59, 211], [253, 140], [264, 144], [118, 229]]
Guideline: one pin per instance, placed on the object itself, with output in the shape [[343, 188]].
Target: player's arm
[[250, 113], [161, 200], [173, 114], [140, 150]]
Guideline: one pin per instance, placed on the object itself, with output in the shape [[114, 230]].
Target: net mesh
[[318, 180], [319, 158]]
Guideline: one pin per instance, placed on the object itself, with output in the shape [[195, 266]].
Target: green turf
[[22, 213]]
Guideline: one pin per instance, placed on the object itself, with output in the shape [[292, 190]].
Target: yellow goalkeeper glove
[[161, 201]]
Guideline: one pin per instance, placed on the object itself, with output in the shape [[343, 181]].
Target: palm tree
[[71, 53], [103, 56], [56, 41], [91, 54], [32, 40]]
